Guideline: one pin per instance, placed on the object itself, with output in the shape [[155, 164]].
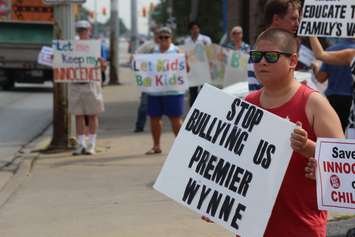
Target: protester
[[295, 212], [147, 48], [85, 99], [196, 38], [282, 14], [237, 43], [170, 103], [341, 57], [339, 88]]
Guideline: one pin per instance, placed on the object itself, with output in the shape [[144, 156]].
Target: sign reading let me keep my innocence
[[76, 60], [328, 18], [228, 162]]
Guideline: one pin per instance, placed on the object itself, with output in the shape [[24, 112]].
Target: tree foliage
[[210, 17]]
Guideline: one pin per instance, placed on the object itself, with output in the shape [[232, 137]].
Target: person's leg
[[93, 125], [341, 105], [154, 110], [156, 127], [80, 126], [141, 113], [176, 123]]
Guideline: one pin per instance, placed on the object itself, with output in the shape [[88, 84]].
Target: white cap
[[237, 29], [82, 24]]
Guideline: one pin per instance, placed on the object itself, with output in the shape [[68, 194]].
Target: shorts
[[170, 105], [85, 98]]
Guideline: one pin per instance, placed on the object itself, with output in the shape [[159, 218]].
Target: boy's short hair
[[279, 7], [283, 39]]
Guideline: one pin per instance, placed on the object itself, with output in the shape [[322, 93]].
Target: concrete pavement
[[109, 194]]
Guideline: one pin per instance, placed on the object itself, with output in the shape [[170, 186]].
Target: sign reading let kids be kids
[[155, 73]]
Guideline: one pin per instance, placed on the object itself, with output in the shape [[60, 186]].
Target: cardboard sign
[[336, 174], [77, 60], [217, 61], [223, 158], [155, 73], [328, 18], [199, 66], [236, 67], [45, 57], [306, 55]]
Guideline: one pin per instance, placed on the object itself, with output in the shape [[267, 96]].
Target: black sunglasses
[[164, 37], [270, 56]]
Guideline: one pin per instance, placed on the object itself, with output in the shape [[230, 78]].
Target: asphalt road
[[24, 113]]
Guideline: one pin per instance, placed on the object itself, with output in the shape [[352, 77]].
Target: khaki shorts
[[85, 98]]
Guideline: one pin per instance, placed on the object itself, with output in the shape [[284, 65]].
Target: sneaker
[[138, 130], [79, 151], [90, 150]]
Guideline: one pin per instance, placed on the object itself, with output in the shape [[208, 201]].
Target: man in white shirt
[[196, 38]]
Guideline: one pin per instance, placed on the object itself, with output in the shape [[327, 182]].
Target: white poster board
[[336, 174], [45, 57], [236, 67], [223, 158], [328, 18], [199, 67], [306, 55], [76, 60], [156, 73]]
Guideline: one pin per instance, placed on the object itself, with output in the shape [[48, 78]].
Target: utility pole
[[134, 29], [63, 30], [114, 33], [194, 10]]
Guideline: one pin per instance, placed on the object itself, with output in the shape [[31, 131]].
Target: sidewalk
[[106, 195], [109, 194]]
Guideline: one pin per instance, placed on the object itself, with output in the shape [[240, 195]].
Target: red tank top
[[295, 212]]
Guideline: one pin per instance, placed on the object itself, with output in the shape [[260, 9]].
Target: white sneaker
[[79, 151], [90, 150]]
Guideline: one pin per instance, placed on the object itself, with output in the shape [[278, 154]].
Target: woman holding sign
[[170, 103], [341, 57]]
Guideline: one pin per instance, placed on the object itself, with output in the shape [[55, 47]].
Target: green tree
[[209, 17]]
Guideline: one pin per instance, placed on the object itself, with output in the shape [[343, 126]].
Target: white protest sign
[[76, 60], [160, 72], [45, 57], [199, 66], [336, 174], [328, 18], [236, 67], [223, 159], [306, 55], [216, 58]]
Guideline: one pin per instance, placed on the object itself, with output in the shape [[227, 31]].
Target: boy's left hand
[[299, 138], [310, 169]]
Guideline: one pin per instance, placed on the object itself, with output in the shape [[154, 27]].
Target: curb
[[22, 165]]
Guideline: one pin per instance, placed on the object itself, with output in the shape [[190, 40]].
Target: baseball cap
[[237, 29], [82, 24], [165, 30]]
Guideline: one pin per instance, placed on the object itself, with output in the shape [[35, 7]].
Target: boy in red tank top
[[295, 212]]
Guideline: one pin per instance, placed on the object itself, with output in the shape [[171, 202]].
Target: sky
[[124, 11]]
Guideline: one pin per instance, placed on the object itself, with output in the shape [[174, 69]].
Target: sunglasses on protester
[[270, 56], [164, 37]]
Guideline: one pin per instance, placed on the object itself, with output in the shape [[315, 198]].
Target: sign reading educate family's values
[[328, 18], [156, 73], [336, 174], [228, 162], [76, 60]]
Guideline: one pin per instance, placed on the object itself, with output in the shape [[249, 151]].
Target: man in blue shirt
[[340, 82]]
